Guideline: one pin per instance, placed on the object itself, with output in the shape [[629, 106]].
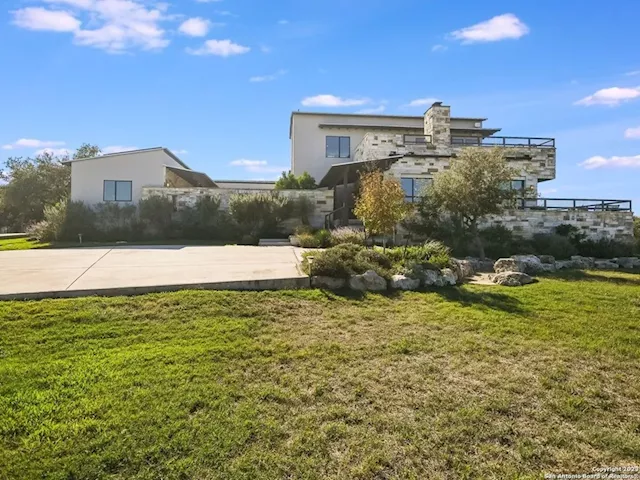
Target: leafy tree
[[636, 232], [472, 188], [380, 204], [86, 150], [35, 183], [288, 181]]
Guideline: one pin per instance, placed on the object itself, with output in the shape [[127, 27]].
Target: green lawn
[[27, 244], [474, 382]]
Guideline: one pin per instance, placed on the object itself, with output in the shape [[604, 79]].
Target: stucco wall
[[143, 169], [187, 197]]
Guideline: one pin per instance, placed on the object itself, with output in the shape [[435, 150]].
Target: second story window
[[338, 147], [414, 188]]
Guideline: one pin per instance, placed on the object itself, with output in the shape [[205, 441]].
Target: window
[[414, 188], [117, 191], [517, 185], [338, 147]]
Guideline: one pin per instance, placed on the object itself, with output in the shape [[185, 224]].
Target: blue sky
[[216, 81]]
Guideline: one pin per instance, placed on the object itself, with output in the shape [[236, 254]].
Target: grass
[[28, 244], [472, 382]]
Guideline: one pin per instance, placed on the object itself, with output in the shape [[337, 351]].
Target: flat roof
[[129, 152]]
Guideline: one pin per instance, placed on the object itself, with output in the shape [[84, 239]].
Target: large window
[[338, 147], [117, 191], [414, 188]]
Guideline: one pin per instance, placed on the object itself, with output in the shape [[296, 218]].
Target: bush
[[259, 214], [204, 220], [115, 222], [559, 246], [79, 219], [348, 259], [156, 216], [342, 235], [573, 233], [303, 208], [498, 241], [288, 181], [605, 248], [50, 228], [319, 239], [431, 254]]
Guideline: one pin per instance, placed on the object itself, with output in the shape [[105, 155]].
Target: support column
[[345, 198]]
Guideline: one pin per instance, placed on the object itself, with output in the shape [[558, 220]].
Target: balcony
[[574, 204], [527, 142]]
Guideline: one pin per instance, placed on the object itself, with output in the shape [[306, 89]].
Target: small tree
[[86, 150], [288, 181], [476, 185], [380, 204]]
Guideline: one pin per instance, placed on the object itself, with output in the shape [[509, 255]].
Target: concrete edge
[[294, 283]]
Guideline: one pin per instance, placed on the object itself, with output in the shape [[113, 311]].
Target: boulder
[[627, 262], [368, 281], [448, 277], [294, 240], [606, 265], [565, 264], [430, 278], [402, 282], [464, 269], [548, 267], [506, 265], [528, 264], [479, 265], [583, 262], [511, 279], [547, 259], [330, 283]]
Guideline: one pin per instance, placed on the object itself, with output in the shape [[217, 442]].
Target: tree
[[288, 181], [472, 188], [636, 232], [380, 204], [86, 150], [35, 183]]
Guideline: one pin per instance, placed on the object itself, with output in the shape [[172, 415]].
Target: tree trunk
[[476, 239]]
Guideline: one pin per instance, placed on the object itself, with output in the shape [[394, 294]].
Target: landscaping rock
[[548, 267], [294, 240], [402, 282], [606, 265], [330, 283], [583, 262], [448, 277], [506, 265], [511, 279], [430, 278], [565, 264], [368, 281], [478, 265], [547, 259], [528, 264], [464, 269], [627, 262]]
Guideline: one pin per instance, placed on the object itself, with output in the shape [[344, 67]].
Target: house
[[336, 148], [121, 177]]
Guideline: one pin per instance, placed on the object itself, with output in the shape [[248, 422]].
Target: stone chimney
[[437, 123]]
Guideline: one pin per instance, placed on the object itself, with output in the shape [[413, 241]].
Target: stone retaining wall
[[526, 223], [187, 197]]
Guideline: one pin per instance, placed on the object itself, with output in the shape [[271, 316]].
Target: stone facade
[[187, 197], [526, 223]]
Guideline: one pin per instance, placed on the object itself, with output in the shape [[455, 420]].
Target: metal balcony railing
[[578, 204], [530, 142], [417, 139]]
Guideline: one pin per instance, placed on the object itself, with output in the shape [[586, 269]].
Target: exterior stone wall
[[526, 223], [187, 197]]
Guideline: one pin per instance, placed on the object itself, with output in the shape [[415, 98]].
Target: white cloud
[[438, 48], [500, 27], [599, 162], [268, 78], [117, 26], [195, 27], [117, 149], [56, 152], [422, 102], [31, 143], [333, 101], [256, 166], [372, 111], [610, 96], [221, 48], [37, 18], [632, 132]]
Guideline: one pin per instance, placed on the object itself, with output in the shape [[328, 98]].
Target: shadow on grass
[[493, 300], [593, 276]]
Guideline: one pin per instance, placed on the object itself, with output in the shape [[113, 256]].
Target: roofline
[[129, 152], [258, 182]]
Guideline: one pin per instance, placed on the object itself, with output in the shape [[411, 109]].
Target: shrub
[[301, 229], [573, 233], [553, 244], [308, 240], [498, 241], [431, 254], [288, 181], [259, 214], [79, 219], [303, 208], [605, 248], [348, 259], [115, 222], [342, 235], [50, 228], [156, 215], [204, 220]]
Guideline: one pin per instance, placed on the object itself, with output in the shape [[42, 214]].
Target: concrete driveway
[[125, 270]]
